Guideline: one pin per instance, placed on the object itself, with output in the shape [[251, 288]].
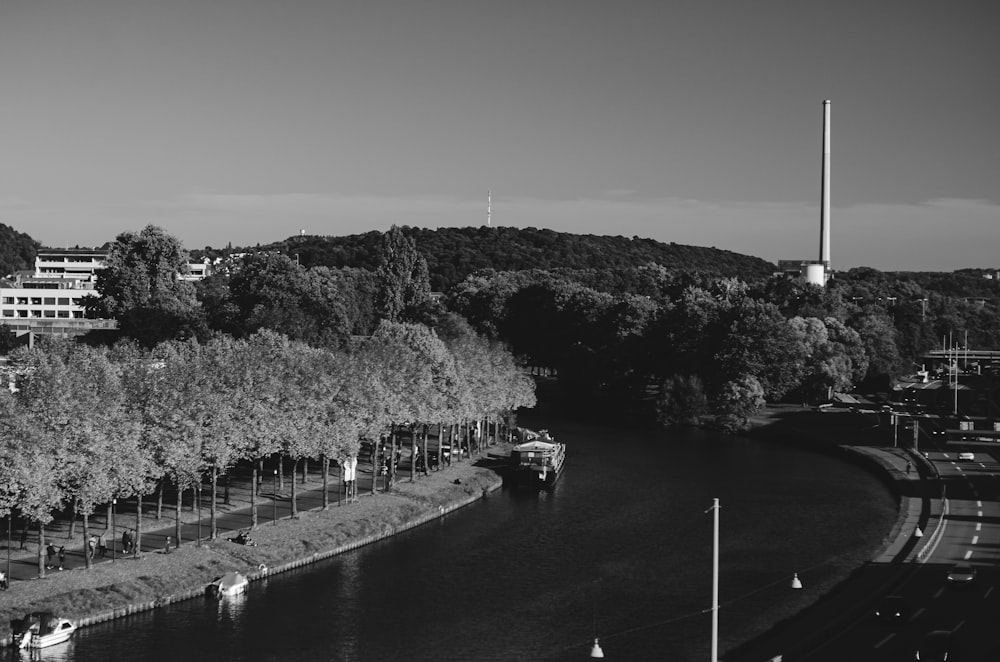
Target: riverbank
[[110, 590], [860, 441]]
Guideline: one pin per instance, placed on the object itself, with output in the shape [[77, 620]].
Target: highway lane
[[970, 534]]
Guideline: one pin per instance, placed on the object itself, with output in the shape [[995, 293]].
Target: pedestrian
[[91, 546], [167, 548], [62, 556], [909, 465], [102, 544], [4, 582], [127, 540], [50, 554], [24, 535]]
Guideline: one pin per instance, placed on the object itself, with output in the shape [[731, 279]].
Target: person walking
[[24, 535], [50, 555], [102, 544], [62, 557]]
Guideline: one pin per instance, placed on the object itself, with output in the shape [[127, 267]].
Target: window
[[8, 300], [8, 313], [49, 313], [22, 301], [78, 314], [22, 313], [50, 301], [36, 313], [63, 313], [36, 301], [63, 301]]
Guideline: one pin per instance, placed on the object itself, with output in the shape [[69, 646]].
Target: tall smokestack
[[824, 214]]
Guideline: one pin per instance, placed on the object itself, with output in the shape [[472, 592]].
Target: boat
[[229, 584], [40, 629], [538, 461]]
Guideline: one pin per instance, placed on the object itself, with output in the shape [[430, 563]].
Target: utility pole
[[715, 581]]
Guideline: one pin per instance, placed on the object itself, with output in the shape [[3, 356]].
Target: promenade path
[[273, 503]]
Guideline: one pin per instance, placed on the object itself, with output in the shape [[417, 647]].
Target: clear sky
[[698, 122]]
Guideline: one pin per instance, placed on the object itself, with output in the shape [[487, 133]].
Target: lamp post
[[274, 498], [715, 580], [114, 550], [10, 516]]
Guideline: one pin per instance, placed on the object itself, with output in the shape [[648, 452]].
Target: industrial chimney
[[817, 272], [824, 215]]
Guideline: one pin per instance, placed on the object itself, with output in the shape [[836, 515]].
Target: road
[[962, 527]]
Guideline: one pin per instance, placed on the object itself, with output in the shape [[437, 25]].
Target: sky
[[245, 122]]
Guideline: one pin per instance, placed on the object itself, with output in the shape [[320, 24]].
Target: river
[[621, 548]]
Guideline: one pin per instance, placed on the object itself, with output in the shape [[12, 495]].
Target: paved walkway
[[273, 503]]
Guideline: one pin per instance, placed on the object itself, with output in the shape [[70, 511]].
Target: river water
[[621, 548]]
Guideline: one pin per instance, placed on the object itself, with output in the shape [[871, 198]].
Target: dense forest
[[454, 253]]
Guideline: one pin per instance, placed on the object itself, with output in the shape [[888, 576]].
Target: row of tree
[[89, 425]]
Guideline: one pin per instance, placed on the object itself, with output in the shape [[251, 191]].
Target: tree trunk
[[281, 472], [159, 500], [325, 463], [137, 543], [305, 469], [226, 483], [295, 507], [413, 452], [390, 478], [253, 499], [88, 561], [72, 520], [213, 531], [177, 515], [41, 551]]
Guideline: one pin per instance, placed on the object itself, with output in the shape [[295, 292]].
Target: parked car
[[966, 456], [961, 574]]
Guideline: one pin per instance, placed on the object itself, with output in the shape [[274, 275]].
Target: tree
[[682, 401], [142, 289], [403, 290], [737, 401]]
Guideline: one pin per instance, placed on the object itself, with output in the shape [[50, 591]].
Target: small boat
[[229, 584], [40, 629], [537, 462]]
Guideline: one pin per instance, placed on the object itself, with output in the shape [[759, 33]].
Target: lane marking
[[939, 592], [979, 526], [988, 591], [979, 504], [886, 640], [968, 554], [979, 514], [975, 540], [960, 624], [920, 611]]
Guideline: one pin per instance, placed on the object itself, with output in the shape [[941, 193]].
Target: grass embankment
[[108, 590]]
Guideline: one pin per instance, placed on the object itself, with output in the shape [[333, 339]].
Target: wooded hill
[[454, 253], [17, 251]]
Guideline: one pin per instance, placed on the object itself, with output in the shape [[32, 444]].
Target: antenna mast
[[489, 208]]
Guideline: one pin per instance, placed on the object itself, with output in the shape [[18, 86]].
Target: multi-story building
[[49, 300]]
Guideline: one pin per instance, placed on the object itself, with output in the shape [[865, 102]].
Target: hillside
[[454, 253], [17, 250]]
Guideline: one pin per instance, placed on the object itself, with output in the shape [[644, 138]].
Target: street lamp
[[274, 498], [114, 552], [10, 516]]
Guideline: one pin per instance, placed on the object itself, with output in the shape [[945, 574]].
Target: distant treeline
[[454, 253]]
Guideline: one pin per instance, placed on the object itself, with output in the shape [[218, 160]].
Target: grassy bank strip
[[129, 586]]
